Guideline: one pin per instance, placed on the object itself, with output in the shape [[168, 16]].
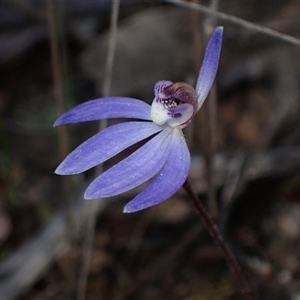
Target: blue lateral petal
[[169, 180], [209, 66], [106, 108], [105, 145], [137, 168]]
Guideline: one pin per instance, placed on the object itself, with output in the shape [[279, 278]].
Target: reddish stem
[[214, 232]]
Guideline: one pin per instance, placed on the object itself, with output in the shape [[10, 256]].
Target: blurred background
[[245, 152]]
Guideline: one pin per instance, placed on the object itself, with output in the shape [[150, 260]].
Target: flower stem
[[214, 232]]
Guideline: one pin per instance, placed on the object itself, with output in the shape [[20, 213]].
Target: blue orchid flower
[[165, 158]]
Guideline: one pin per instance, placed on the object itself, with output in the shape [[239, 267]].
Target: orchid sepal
[[169, 180], [209, 66], [106, 144], [106, 108]]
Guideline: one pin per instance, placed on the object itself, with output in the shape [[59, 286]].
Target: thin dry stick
[[91, 224], [211, 111], [111, 48], [57, 77], [62, 131], [190, 131], [234, 20], [214, 232], [196, 38], [197, 56]]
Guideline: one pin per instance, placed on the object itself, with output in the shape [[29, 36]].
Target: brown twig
[[111, 47], [57, 70], [214, 232], [211, 112], [57, 77], [206, 116], [235, 20], [91, 222]]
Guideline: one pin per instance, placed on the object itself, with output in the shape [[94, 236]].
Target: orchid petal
[[209, 66], [106, 108], [181, 114], [169, 180], [137, 168], [105, 145]]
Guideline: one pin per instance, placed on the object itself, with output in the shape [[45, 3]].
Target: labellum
[[174, 103]]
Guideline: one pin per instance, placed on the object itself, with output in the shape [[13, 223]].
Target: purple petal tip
[[125, 210], [56, 123], [60, 171]]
